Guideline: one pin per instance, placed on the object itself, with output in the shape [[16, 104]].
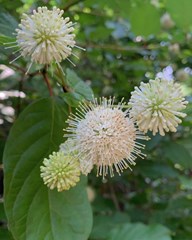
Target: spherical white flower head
[[156, 106], [61, 171], [45, 36], [104, 136]]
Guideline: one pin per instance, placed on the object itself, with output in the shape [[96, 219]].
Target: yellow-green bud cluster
[[61, 171]]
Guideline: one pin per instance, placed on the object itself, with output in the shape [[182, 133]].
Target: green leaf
[[154, 142], [180, 12], [178, 206], [79, 90], [34, 211], [72, 98], [178, 154], [4, 234], [99, 33], [2, 212], [8, 24], [156, 169], [186, 182], [139, 231], [12, 6], [144, 17], [103, 222]]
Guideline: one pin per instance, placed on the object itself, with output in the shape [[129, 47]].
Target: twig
[[23, 70], [20, 89], [45, 77], [19, 68], [119, 48]]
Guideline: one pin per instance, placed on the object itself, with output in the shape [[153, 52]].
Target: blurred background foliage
[[126, 42]]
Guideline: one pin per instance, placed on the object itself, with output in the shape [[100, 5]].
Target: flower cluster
[[99, 133], [46, 36], [156, 106]]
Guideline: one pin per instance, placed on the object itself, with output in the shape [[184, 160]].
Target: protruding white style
[[156, 106], [104, 136], [46, 36]]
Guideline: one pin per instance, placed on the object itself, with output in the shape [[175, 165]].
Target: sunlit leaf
[[144, 17], [180, 12]]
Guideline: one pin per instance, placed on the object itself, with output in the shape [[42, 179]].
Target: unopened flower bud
[[61, 171]]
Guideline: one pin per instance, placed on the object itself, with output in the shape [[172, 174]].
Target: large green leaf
[[180, 11], [139, 231], [8, 24], [144, 17], [103, 222], [34, 211], [177, 153], [5, 234], [156, 169], [99, 33]]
